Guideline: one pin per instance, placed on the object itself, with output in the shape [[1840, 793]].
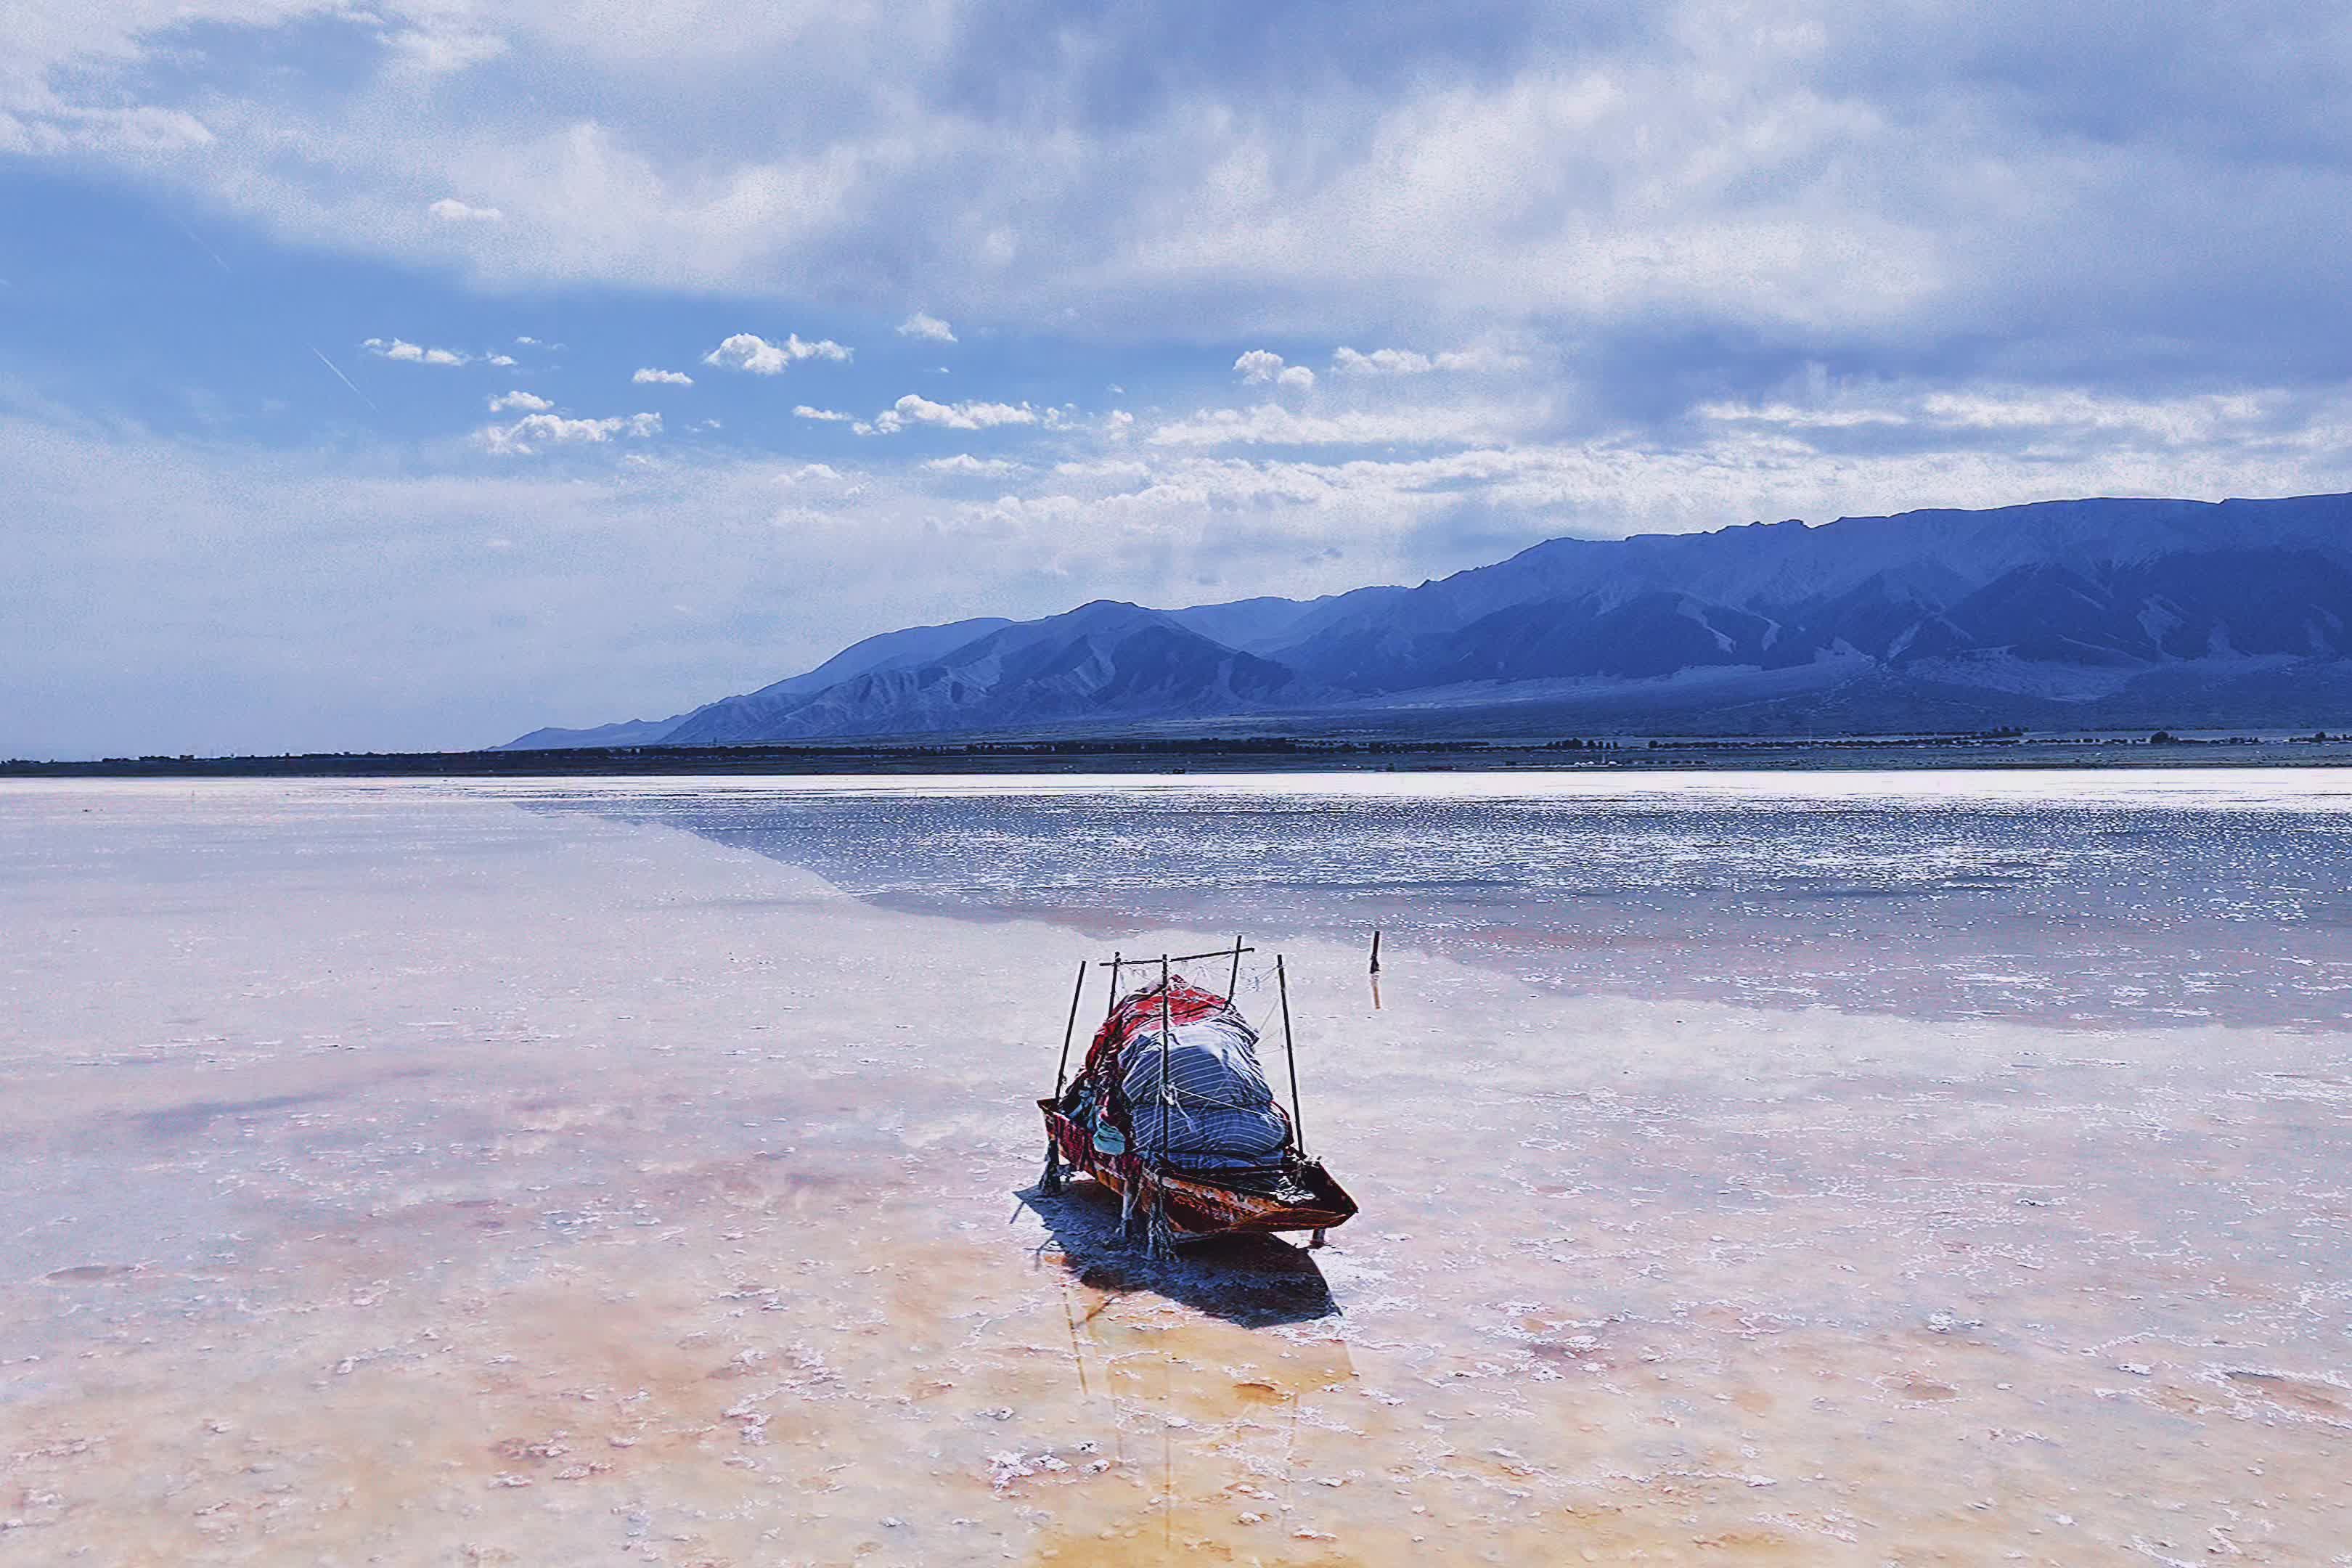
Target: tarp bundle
[[1213, 1111]]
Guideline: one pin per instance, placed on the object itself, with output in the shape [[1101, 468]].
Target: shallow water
[[412, 1173]]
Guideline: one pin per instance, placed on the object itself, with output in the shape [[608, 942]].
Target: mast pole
[[1159, 1245], [1078, 993], [1114, 985], [1234, 983], [1297, 1123]]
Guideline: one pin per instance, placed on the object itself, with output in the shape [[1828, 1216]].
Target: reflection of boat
[[1171, 1110]]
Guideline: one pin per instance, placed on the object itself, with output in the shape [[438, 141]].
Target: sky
[[410, 374]]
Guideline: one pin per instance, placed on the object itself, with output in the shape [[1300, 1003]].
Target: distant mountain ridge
[[2056, 613]]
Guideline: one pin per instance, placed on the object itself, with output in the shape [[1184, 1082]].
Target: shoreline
[[1988, 753]]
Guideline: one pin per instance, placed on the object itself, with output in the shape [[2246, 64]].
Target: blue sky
[[322, 324]]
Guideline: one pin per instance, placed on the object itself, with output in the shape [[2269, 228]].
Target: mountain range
[[2069, 615]]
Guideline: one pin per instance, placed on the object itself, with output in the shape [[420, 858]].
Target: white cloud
[[802, 410], [921, 325], [1409, 361], [1993, 409], [534, 431], [1259, 365], [502, 361], [450, 209], [966, 464], [1270, 424], [440, 44], [662, 378], [915, 409], [748, 350], [529, 402], [412, 353], [1381, 362]]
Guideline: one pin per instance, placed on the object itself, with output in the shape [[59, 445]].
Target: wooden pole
[[1298, 1122], [1077, 993], [1376, 950], [1166, 1028], [1114, 986], [1233, 983]]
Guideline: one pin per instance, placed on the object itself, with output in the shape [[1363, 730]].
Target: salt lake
[[1754, 1168]]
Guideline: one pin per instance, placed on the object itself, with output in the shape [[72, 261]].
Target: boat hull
[[1197, 1206]]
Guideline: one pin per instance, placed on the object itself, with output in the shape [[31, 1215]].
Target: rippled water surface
[[2075, 898]]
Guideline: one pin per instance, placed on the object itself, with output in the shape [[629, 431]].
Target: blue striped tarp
[[1216, 1110]]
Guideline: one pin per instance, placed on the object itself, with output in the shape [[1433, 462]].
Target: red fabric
[[1139, 1014]]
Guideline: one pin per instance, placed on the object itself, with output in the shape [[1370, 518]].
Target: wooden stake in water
[[1376, 950]]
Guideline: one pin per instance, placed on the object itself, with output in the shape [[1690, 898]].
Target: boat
[[1171, 1112]]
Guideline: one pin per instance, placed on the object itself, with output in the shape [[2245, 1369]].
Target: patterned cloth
[[1214, 1110]]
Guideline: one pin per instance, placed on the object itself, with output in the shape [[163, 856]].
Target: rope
[[1159, 1240]]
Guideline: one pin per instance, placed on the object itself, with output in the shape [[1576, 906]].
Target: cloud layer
[[1927, 177]]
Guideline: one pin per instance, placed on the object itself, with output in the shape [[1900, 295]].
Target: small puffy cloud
[[917, 409], [828, 416], [662, 378], [450, 209], [966, 464], [528, 343], [501, 360], [748, 350], [534, 431], [921, 325], [412, 353], [530, 402], [1259, 366]]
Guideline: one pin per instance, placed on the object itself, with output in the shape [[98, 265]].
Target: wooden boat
[[1163, 1197]]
